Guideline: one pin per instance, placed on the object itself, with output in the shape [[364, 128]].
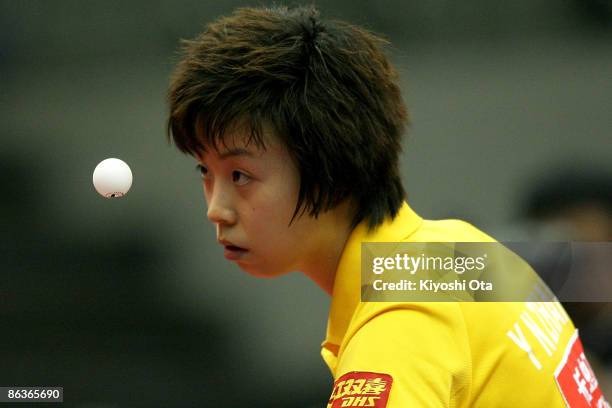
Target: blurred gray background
[[129, 302]]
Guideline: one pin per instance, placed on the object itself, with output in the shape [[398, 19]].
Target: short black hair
[[326, 88]]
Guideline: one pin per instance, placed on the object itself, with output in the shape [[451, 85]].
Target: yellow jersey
[[448, 354]]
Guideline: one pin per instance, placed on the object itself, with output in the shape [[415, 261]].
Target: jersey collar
[[346, 294]]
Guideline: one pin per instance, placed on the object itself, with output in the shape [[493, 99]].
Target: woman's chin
[[260, 272]]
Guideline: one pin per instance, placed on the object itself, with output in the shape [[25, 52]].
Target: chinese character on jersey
[[576, 379]]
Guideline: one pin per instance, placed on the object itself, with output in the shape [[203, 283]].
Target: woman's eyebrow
[[235, 152]]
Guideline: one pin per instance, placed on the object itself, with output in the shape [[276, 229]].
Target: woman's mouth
[[234, 253]]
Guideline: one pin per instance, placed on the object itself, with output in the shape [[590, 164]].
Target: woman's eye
[[202, 170], [240, 178]]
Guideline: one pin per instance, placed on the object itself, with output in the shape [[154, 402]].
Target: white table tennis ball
[[112, 178]]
